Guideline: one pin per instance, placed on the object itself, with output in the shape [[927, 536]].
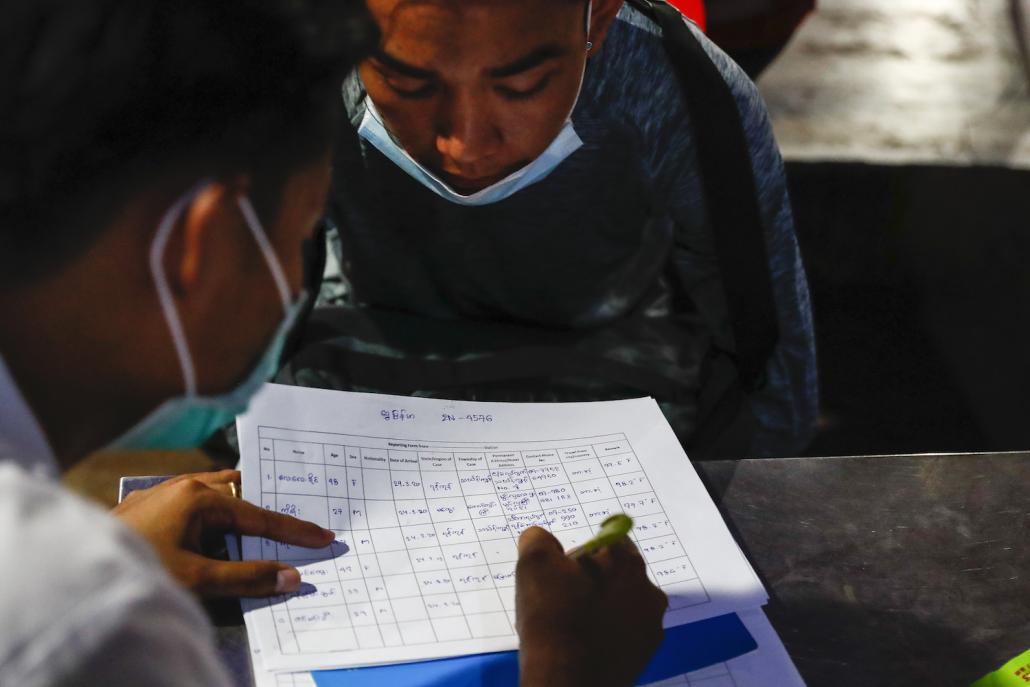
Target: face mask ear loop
[[164, 292], [274, 266], [583, 76], [590, 16]]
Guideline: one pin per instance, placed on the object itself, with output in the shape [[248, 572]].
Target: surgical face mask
[[373, 130], [188, 420]]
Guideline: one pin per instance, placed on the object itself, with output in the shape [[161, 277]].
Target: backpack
[[516, 364], [726, 170]]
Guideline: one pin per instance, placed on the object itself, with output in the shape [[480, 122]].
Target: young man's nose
[[466, 135]]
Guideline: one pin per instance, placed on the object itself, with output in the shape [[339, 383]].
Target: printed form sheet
[[428, 498]]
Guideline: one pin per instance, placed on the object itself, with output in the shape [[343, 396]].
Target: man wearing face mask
[[522, 216], [158, 156]]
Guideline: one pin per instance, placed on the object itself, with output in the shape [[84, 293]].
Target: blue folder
[[685, 648]]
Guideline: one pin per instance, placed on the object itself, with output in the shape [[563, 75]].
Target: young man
[[157, 156], [521, 216]]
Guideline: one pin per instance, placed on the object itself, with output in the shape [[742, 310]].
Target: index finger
[[247, 519]]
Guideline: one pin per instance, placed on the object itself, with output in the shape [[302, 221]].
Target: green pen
[[1015, 672], [612, 530]]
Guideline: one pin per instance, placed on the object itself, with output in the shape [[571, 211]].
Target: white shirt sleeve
[[85, 601], [156, 645]]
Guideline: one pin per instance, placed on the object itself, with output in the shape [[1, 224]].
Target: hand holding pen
[[587, 617]]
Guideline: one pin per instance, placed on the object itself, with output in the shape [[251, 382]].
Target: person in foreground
[[157, 155]]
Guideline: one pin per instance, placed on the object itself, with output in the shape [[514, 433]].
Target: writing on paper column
[[495, 603], [343, 480], [318, 615], [667, 560]]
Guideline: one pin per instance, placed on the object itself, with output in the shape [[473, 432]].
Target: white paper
[[265, 678], [428, 498]]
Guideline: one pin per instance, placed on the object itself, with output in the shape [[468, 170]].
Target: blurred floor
[[904, 81], [906, 126]]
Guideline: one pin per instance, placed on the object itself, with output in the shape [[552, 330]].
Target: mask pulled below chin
[[373, 130]]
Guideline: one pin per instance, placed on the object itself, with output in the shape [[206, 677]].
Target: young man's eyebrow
[[533, 59], [400, 66]]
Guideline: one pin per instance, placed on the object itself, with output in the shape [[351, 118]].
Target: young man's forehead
[[455, 34]]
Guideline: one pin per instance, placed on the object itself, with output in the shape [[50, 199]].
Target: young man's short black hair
[[99, 96]]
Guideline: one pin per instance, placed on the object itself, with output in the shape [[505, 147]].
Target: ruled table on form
[[426, 539]]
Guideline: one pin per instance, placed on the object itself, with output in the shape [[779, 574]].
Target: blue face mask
[[188, 420], [373, 130]]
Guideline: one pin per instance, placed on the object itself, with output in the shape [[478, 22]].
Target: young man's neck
[[77, 411], [70, 353]]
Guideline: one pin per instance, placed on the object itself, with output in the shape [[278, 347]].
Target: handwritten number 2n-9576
[[448, 417]]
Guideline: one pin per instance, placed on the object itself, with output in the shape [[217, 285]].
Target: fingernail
[[287, 581]]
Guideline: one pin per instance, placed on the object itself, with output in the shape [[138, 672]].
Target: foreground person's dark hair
[[100, 97]]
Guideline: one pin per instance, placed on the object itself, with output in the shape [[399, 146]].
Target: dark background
[[920, 290]]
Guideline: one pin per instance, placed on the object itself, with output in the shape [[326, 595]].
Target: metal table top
[[881, 570], [887, 570]]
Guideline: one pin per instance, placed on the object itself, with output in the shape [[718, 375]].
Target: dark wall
[[921, 290]]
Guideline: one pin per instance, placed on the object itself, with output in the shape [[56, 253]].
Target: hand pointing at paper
[[176, 517], [591, 621]]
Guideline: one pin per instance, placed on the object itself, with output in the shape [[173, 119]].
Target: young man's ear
[[604, 14], [205, 239]]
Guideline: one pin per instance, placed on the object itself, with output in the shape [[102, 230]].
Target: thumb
[[244, 578]]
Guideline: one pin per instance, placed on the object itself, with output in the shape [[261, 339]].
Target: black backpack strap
[[313, 252], [730, 194]]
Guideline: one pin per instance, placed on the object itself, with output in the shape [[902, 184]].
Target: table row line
[[329, 612], [561, 511], [357, 456], [492, 532], [322, 480], [664, 557], [406, 633]]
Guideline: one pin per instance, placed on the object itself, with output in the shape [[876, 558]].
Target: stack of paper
[[428, 499]]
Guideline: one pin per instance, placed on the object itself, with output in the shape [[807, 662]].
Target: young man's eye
[[524, 93], [412, 93], [403, 85]]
